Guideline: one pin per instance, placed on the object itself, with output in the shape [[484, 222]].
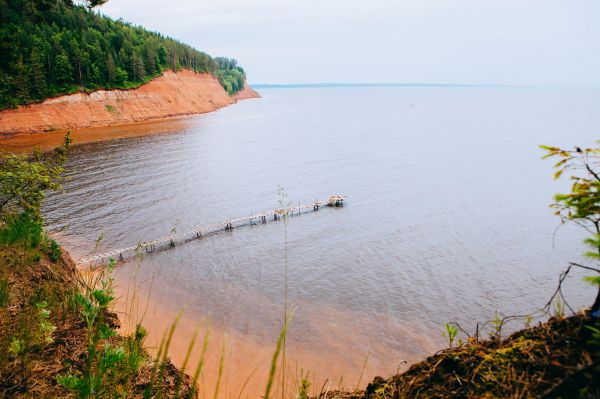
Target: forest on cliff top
[[54, 47]]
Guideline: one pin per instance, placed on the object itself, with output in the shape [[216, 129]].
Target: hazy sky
[[530, 42]]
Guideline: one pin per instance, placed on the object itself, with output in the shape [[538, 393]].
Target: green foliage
[[23, 182], [582, 205], [450, 333], [199, 366], [220, 372], [21, 230], [54, 251], [25, 179], [160, 363], [46, 327], [304, 385], [54, 47], [17, 347], [559, 307], [594, 280], [278, 347], [135, 350], [101, 363], [594, 340], [497, 324], [230, 75]]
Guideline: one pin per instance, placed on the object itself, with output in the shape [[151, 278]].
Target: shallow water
[[447, 219]]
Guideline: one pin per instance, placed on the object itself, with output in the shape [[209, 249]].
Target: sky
[[507, 42]]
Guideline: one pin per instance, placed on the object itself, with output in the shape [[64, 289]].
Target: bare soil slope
[[172, 94]]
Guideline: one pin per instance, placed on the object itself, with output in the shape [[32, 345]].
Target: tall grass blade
[[149, 389], [185, 362], [165, 354], [273, 369], [200, 365], [362, 371], [220, 373], [247, 381]]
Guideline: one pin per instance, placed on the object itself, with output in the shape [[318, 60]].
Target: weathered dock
[[203, 231]]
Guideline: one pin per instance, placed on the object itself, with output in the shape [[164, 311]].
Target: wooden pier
[[203, 231]]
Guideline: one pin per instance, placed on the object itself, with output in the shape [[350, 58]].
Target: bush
[[24, 180], [54, 251], [21, 230]]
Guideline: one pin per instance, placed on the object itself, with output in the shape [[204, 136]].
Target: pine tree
[[139, 72], [63, 70], [110, 69], [37, 75], [49, 46], [21, 85]]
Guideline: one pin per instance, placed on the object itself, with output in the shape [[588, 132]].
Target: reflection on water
[[447, 218], [26, 142]]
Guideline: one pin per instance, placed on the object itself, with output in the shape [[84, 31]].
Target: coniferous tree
[[49, 47], [37, 76], [63, 70], [110, 70], [139, 72]]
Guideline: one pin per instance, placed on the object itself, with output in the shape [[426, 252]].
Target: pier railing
[[203, 231]]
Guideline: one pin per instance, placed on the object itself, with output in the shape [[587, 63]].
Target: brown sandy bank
[[172, 94]]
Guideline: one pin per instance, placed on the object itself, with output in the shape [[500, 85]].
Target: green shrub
[[21, 230], [54, 251], [46, 327], [104, 362]]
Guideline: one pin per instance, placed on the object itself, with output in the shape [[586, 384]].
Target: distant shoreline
[[359, 85]]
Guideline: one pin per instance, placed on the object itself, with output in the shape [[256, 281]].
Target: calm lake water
[[447, 219]]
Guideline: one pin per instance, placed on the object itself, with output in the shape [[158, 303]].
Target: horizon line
[[397, 84], [378, 84]]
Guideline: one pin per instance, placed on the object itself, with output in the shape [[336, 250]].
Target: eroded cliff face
[[172, 94], [246, 92]]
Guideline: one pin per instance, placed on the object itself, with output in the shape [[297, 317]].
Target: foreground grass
[[45, 337], [557, 359]]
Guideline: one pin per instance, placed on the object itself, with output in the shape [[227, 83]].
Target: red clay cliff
[[172, 94]]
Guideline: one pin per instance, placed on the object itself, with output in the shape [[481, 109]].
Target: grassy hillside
[[58, 337], [53, 47], [52, 347]]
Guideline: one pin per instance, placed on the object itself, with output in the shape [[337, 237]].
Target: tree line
[[54, 47]]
